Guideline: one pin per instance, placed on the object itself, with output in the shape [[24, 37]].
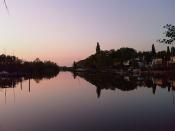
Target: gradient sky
[[67, 30]]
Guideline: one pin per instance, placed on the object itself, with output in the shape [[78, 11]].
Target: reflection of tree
[[154, 88], [109, 81], [74, 74], [11, 82], [112, 81]]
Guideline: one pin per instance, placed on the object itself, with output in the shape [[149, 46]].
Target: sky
[[64, 31]]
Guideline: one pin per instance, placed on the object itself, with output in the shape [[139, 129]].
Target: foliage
[[169, 34], [108, 58], [153, 51], [98, 48], [125, 54], [168, 53], [74, 65], [13, 64], [172, 50]]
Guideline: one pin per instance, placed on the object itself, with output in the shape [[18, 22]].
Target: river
[[70, 102]]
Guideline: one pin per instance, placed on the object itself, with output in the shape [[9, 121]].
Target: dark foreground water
[[88, 103]]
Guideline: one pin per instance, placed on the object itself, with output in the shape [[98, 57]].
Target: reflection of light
[[158, 82]]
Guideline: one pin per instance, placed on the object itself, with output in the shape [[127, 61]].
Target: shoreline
[[156, 73]]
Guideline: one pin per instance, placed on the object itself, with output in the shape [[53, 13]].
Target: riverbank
[[160, 73], [135, 72]]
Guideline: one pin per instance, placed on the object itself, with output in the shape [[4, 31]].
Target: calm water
[[87, 104]]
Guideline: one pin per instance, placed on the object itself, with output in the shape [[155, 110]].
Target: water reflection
[[70, 103], [126, 83], [101, 81], [12, 82]]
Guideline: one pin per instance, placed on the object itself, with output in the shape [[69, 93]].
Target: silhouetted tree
[[98, 48], [74, 65], [172, 50], [37, 60], [98, 91], [168, 53], [153, 51], [169, 34], [13, 64], [126, 54]]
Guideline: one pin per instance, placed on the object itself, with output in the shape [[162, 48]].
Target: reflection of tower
[[154, 88], [98, 92], [29, 84], [74, 74]]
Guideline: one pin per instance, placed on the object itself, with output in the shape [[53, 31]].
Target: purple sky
[[67, 30]]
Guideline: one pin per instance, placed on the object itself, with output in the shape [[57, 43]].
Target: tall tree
[[172, 50], [153, 51], [98, 48], [169, 35], [168, 53], [74, 65]]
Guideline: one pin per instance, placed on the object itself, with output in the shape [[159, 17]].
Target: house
[[172, 60], [126, 63], [173, 83], [158, 82], [139, 63], [157, 61]]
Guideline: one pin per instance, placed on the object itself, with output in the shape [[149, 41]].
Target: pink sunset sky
[[64, 31]]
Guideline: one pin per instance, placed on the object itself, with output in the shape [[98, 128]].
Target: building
[[172, 60], [157, 61], [126, 63]]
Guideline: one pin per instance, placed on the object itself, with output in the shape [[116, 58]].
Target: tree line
[[13, 64]]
